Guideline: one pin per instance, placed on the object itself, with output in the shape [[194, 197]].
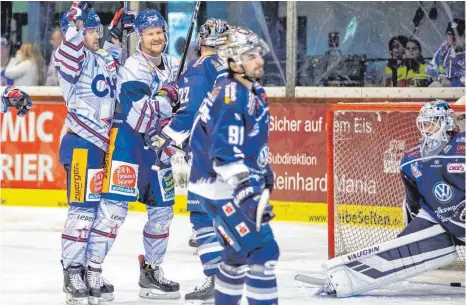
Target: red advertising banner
[[297, 151], [29, 148]]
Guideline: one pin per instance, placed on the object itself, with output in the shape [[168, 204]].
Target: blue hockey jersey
[[230, 139], [194, 84], [437, 185]]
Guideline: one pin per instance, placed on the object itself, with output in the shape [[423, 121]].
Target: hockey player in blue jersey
[[433, 175], [87, 78], [144, 100], [13, 97], [230, 175], [193, 86]]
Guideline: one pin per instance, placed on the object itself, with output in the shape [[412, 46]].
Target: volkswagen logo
[[262, 160], [443, 192]]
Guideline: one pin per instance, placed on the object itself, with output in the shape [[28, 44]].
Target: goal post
[[365, 144]]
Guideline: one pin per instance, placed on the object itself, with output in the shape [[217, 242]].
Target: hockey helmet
[[149, 19], [92, 22], [237, 41], [209, 32]]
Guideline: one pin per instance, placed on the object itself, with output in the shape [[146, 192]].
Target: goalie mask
[[209, 32], [237, 41], [435, 122]]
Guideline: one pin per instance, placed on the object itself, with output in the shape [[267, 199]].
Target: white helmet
[[237, 41], [435, 121]]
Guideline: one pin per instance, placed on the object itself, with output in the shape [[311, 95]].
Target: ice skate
[[74, 286], [100, 290], [203, 294], [154, 285]]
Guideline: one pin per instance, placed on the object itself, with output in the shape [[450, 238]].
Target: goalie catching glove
[[13, 97]]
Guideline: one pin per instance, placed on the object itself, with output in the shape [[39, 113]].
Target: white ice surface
[[31, 273]]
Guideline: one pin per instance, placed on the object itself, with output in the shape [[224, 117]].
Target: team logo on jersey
[[228, 209], [262, 160], [242, 229], [443, 192], [415, 170], [447, 149], [456, 168], [101, 85]]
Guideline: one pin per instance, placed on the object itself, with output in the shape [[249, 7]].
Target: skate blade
[[76, 301], [148, 293], [200, 302], [106, 297], [93, 300]]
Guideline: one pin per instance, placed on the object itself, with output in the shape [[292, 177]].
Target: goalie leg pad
[[156, 232], [392, 261], [207, 242], [75, 235], [110, 217]]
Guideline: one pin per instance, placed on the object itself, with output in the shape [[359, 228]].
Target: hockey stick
[[124, 41], [188, 38], [156, 166], [263, 202]]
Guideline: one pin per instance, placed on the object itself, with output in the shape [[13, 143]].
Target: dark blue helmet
[[92, 22], [149, 19]]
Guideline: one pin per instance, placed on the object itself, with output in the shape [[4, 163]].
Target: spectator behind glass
[[414, 62], [27, 68], [52, 74], [397, 48], [447, 65], [5, 49]]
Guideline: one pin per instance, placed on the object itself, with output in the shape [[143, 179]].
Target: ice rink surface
[[31, 273]]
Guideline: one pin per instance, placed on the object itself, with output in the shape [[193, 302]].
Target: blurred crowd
[[445, 69]]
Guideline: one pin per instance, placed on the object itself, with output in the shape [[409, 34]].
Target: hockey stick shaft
[[188, 38], [156, 166], [124, 41]]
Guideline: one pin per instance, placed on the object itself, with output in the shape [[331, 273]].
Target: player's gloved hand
[[79, 11], [158, 141], [13, 97], [246, 196], [170, 91], [122, 21]]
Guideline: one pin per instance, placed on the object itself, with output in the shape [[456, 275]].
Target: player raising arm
[[433, 175], [230, 174], [87, 77]]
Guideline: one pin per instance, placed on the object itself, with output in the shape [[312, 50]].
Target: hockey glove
[[170, 91], [79, 11], [122, 21], [249, 199], [13, 97], [158, 141]]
